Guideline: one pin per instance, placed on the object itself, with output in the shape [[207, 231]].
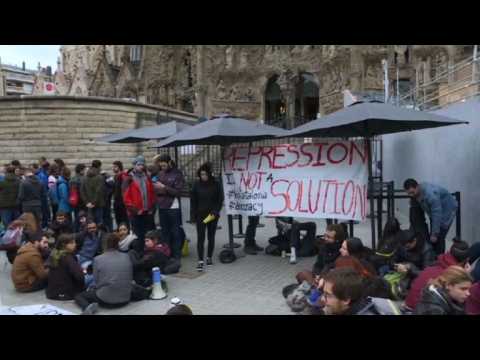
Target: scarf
[[57, 256]]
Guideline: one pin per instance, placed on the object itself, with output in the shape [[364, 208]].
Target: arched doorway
[[307, 101], [275, 106]]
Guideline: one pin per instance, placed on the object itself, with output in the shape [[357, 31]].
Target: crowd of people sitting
[[408, 273], [61, 236]]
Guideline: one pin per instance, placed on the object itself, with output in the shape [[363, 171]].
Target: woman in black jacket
[[206, 202], [66, 277], [446, 295]]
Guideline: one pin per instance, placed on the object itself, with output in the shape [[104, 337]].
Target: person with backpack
[[9, 188], [440, 206], [206, 201], [446, 294], [64, 193], [66, 277], [457, 256], [75, 198], [52, 188], [30, 195], [92, 193]]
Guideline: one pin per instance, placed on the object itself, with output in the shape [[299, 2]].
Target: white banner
[[327, 179]]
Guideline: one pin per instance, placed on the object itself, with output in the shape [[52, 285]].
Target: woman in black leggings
[[206, 203]]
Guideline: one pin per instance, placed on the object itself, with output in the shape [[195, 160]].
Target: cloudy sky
[[31, 54]]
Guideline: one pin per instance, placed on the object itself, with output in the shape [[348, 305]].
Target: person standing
[[250, 245], [206, 200], [75, 185], [9, 188], [139, 200], [42, 175], [53, 173], [30, 195], [118, 206], [64, 193], [168, 189], [440, 206], [92, 193]]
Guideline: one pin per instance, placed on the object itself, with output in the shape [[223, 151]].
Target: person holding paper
[[206, 203]]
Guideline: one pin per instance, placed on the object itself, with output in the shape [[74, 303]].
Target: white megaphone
[[157, 292]]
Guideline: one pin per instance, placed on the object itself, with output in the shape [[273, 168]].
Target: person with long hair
[[446, 295], [206, 202], [127, 237], [66, 277], [354, 247]]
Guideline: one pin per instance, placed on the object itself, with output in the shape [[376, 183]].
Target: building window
[[275, 107], [135, 53]]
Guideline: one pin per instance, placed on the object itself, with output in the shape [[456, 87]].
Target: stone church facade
[[283, 84]]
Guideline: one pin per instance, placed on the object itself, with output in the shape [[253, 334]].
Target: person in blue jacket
[[64, 193], [440, 206]]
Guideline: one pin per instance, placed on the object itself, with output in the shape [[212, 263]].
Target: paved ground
[[252, 285]]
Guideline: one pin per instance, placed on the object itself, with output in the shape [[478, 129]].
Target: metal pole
[[370, 191], [458, 221], [385, 80]]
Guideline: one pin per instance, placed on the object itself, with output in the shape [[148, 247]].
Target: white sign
[[42, 309], [326, 179]]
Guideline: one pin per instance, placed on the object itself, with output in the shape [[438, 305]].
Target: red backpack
[[74, 196]]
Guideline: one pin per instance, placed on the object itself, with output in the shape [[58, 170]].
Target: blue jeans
[[170, 222], [8, 215], [97, 214]]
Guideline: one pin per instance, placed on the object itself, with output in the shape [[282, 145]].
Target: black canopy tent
[[224, 130], [367, 120]]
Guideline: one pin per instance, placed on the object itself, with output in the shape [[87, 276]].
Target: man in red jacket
[[139, 200], [458, 255]]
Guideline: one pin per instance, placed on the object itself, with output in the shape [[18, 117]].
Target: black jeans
[[171, 223], [439, 246], [251, 230], [211, 228], [88, 297], [141, 224], [120, 213], [307, 244]]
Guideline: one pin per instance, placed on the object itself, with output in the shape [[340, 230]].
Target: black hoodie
[[31, 192]]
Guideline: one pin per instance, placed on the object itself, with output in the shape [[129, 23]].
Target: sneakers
[[209, 261], [293, 256], [90, 309], [200, 266]]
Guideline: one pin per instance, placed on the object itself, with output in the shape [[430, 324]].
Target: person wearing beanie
[[458, 255], [139, 200]]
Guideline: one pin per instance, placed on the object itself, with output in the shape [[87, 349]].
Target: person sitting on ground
[[472, 304], [82, 221], [328, 252], [180, 309], [89, 244], [354, 247], [29, 273], [458, 255], [343, 293], [414, 255], [446, 295], [127, 238], [113, 277], [387, 247], [474, 260], [291, 228], [156, 254], [61, 225], [65, 277]]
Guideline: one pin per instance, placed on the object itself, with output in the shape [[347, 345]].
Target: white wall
[[447, 156]]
